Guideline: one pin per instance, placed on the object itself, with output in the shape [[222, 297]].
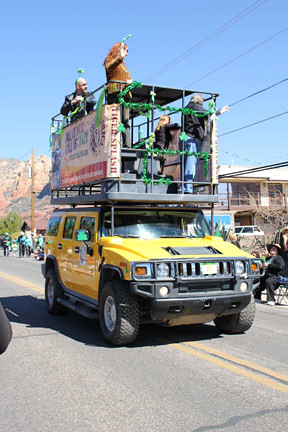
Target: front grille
[[204, 270]]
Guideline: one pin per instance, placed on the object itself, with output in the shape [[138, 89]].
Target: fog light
[[164, 291], [243, 286]]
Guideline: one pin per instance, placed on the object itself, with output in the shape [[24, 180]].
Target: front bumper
[[174, 308]]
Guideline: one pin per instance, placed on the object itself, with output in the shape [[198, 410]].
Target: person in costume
[[79, 99], [116, 70]]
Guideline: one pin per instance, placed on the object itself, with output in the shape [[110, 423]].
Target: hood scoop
[[197, 250]]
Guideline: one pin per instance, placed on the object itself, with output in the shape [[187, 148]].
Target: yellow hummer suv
[[131, 245], [129, 265]]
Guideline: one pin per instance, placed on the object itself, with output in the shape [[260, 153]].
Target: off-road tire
[[237, 323], [119, 313], [52, 292]]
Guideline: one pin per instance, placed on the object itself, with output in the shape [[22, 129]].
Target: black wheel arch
[[51, 263]]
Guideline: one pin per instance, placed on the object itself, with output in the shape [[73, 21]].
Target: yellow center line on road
[[196, 349], [235, 369], [238, 360], [208, 356], [22, 282]]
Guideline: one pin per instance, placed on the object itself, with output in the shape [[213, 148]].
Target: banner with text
[[86, 153]]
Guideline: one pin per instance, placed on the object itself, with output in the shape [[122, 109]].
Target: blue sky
[[44, 43]]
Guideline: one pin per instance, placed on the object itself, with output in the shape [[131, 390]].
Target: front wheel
[[237, 323], [119, 314], [52, 292]]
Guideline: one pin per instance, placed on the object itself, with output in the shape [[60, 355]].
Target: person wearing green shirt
[[7, 242]]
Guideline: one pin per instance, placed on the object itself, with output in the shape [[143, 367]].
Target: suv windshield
[[147, 224]]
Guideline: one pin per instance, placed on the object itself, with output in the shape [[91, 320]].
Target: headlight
[[239, 267], [162, 270]]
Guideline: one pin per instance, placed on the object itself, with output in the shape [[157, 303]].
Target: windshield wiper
[[127, 236], [174, 236]]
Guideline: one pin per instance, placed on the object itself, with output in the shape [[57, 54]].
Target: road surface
[[58, 374]]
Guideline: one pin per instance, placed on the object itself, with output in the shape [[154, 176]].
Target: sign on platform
[[86, 153]]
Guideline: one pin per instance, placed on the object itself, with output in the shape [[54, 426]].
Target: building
[[244, 189]]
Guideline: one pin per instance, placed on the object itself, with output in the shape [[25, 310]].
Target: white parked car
[[248, 230]]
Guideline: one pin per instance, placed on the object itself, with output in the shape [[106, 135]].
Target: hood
[[140, 249]]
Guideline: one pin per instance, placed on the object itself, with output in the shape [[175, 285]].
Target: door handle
[[59, 246], [76, 249]]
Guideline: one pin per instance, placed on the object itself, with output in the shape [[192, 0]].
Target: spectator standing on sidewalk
[[40, 242], [7, 242], [14, 247], [28, 245], [21, 243], [234, 240]]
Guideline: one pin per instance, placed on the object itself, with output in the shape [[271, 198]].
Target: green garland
[[148, 107], [183, 137], [158, 152], [61, 130]]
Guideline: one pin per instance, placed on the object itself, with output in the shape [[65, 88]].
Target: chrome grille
[[204, 269]]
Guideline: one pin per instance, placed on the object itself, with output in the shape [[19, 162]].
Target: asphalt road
[[59, 375]]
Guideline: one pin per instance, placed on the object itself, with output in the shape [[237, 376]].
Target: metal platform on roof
[[164, 95], [134, 198], [112, 190]]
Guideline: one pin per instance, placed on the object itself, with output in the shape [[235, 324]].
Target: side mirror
[[82, 235]]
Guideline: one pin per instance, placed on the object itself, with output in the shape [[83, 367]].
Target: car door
[[86, 261], [65, 251]]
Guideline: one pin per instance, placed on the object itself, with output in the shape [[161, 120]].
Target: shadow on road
[[31, 311]]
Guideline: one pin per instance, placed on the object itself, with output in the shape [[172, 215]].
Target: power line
[[207, 39], [255, 169], [237, 57], [258, 92], [253, 124], [238, 156]]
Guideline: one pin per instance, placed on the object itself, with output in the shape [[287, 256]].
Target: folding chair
[[282, 291]]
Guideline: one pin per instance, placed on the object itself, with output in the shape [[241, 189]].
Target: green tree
[[11, 223]]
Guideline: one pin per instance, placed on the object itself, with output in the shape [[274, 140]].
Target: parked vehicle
[[248, 230]]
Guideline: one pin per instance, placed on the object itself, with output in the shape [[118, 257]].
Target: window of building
[[245, 193], [275, 193]]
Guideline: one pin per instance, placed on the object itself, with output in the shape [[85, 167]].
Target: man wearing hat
[[273, 269]]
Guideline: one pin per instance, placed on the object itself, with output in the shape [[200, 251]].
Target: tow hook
[[207, 304]]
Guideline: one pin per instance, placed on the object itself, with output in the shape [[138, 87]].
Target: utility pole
[[32, 194]]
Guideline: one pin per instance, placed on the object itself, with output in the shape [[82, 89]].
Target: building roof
[[279, 174]]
